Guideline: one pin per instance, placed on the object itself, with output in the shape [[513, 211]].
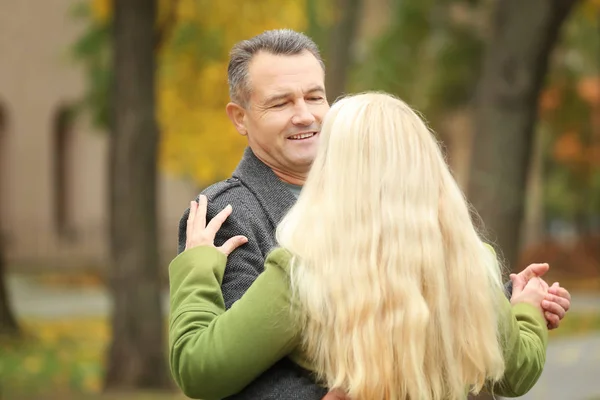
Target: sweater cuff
[[530, 311], [209, 256]]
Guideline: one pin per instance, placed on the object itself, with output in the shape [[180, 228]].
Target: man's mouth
[[302, 136]]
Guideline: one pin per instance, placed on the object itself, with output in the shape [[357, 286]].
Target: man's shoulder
[[229, 191], [224, 188], [232, 191]]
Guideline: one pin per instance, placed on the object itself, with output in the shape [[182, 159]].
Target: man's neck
[[293, 179]]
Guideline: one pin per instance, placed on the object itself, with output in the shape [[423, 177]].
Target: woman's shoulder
[[279, 258]]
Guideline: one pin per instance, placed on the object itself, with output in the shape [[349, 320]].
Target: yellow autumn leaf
[[101, 10], [32, 364], [92, 383], [590, 9]]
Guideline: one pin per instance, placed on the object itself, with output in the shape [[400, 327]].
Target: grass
[[62, 359], [576, 324], [88, 396]]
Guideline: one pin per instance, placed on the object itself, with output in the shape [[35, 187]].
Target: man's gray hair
[[277, 42]]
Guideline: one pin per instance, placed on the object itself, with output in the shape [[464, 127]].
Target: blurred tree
[[8, 322], [515, 64], [339, 53], [429, 56], [570, 115], [421, 37], [197, 139], [136, 356]]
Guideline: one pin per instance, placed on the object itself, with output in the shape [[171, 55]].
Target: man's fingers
[[335, 395], [215, 224], [553, 308], [233, 244], [552, 320], [560, 296]]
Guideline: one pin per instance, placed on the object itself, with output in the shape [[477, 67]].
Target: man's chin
[[303, 162]]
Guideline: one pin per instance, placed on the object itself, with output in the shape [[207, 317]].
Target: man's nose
[[302, 115]]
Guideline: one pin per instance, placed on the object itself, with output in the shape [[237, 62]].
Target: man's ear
[[236, 114]]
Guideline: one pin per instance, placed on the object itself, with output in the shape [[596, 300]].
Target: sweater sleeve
[[215, 353], [525, 339]]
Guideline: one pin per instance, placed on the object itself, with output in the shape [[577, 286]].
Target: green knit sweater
[[215, 353]]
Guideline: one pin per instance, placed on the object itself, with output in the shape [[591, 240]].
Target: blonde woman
[[382, 287]]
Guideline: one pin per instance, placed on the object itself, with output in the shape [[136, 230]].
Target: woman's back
[[397, 293]]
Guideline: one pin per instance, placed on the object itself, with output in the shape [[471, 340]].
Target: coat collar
[[273, 195]]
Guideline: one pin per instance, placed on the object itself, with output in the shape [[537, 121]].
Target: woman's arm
[[525, 339], [215, 353]]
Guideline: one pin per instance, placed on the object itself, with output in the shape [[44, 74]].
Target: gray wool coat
[[259, 200]]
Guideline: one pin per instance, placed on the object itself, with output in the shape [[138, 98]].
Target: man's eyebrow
[[317, 88], [285, 95], [277, 97]]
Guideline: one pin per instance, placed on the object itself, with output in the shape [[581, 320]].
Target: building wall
[[37, 80]]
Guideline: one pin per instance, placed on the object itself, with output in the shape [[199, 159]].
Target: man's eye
[[315, 98], [279, 105]]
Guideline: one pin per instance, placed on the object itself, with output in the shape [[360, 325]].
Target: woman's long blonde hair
[[396, 292]]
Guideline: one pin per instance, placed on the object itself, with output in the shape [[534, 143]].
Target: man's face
[[286, 106]]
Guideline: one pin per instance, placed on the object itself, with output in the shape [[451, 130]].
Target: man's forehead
[[280, 74]]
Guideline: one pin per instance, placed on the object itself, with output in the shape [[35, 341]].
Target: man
[[276, 83]]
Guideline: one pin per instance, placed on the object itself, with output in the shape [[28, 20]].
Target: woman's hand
[[534, 291], [200, 234]]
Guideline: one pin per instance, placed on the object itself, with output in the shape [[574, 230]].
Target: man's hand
[[336, 394], [556, 305], [557, 301]]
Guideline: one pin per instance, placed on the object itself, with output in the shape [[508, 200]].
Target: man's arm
[[243, 265]]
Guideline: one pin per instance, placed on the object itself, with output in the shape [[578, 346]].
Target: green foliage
[[93, 52], [572, 178], [459, 56], [427, 57]]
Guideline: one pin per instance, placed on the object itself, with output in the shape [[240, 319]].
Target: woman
[[382, 287]]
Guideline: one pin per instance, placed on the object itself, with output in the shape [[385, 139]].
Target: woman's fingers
[[200, 234], [201, 213], [233, 244], [189, 231], [215, 224]]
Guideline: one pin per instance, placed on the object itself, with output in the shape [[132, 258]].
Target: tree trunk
[[339, 51], [522, 38], [8, 322], [533, 220], [136, 358]]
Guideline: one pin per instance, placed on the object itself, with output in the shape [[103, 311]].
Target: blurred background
[[89, 209]]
